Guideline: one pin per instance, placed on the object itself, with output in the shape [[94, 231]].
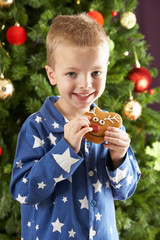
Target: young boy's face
[[80, 75]]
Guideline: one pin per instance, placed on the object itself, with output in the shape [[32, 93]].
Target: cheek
[[65, 86], [100, 84]]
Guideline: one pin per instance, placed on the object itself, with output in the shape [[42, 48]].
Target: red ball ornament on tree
[[97, 16], [114, 13], [16, 35], [0, 151], [141, 77], [151, 91]]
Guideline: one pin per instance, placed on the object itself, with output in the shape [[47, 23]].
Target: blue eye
[[96, 73], [71, 74]]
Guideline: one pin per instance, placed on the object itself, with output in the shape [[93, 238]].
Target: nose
[[95, 127], [85, 82]]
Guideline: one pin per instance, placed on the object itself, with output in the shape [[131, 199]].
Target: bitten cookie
[[99, 122]]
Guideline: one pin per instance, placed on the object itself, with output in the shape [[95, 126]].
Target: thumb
[[85, 130]]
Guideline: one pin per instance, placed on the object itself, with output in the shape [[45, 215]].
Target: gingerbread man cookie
[[99, 122]]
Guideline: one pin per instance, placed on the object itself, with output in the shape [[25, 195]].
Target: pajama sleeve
[[125, 178], [35, 171]]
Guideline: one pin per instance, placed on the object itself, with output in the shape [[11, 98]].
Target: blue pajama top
[[64, 195]]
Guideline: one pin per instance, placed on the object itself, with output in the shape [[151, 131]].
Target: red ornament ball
[[141, 77], [0, 151], [114, 13], [97, 16], [151, 91], [16, 35]]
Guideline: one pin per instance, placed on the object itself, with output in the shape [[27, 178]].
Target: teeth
[[83, 95]]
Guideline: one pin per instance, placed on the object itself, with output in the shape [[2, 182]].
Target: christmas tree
[[24, 87]]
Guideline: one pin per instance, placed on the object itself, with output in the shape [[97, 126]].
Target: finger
[[122, 136], [113, 147], [89, 117], [116, 152], [117, 141], [83, 124], [85, 130], [83, 120], [78, 123], [117, 133], [115, 130]]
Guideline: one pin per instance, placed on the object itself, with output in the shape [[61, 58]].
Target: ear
[[108, 62], [51, 75]]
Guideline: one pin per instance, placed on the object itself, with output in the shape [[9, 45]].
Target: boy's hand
[[117, 143], [75, 130]]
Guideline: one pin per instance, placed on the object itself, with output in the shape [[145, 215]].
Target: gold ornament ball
[[6, 88], [132, 110], [5, 3], [128, 20]]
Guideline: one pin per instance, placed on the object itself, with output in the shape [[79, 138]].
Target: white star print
[[71, 233], [65, 160], [129, 179], [59, 179], [57, 225], [98, 216], [70, 179], [92, 233], [38, 119], [107, 184], [97, 186], [24, 180], [37, 238], [52, 139], [19, 164], [84, 203], [29, 224], [138, 170], [55, 125], [37, 142], [41, 185], [36, 206], [66, 120], [118, 186], [86, 148], [21, 199], [37, 227], [111, 230], [64, 199], [131, 157], [120, 175]]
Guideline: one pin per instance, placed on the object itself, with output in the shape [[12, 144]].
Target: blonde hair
[[77, 30]]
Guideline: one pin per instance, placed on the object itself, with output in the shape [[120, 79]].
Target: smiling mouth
[[96, 135], [84, 95]]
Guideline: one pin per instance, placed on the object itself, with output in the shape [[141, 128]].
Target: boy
[[67, 185]]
